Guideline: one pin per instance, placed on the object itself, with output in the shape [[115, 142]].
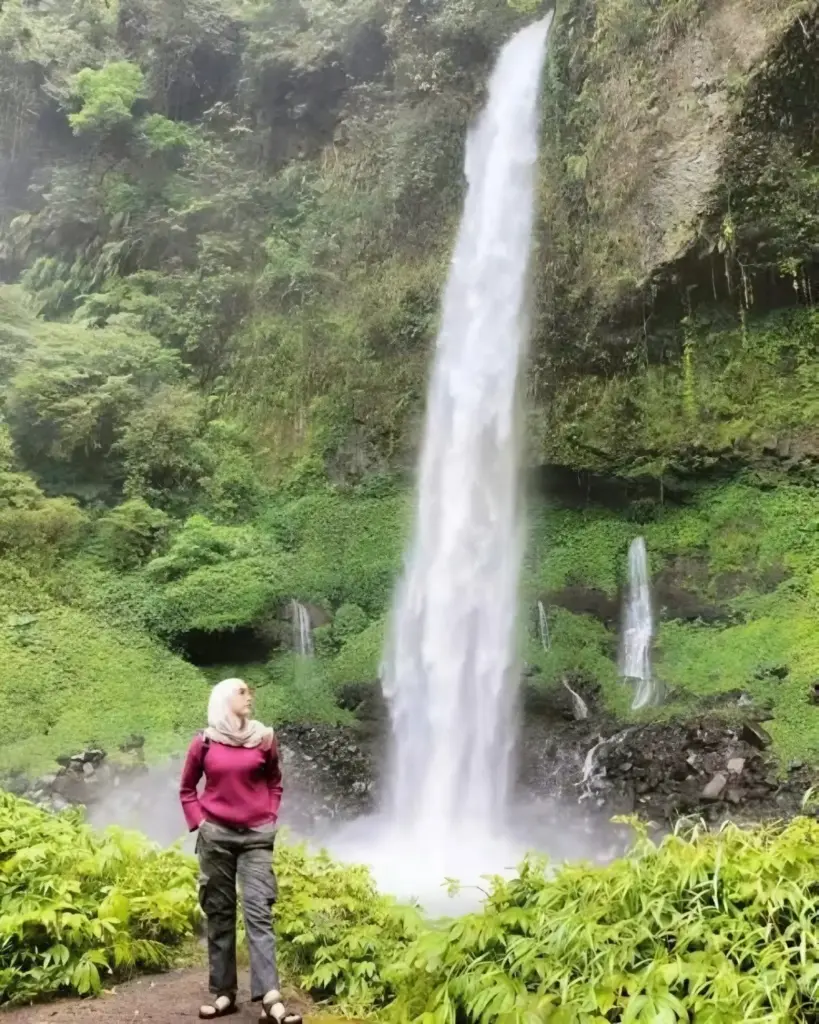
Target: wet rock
[[88, 769], [753, 734], [714, 789]]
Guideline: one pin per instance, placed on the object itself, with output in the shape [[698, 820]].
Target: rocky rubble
[[706, 768], [664, 771]]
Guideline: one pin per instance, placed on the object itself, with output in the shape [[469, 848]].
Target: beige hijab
[[226, 727]]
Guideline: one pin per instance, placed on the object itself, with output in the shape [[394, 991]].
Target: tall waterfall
[[635, 662], [450, 672], [302, 632]]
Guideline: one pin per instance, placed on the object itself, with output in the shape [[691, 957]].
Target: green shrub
[[70, 680], [704, 927], [340, 935], [324, 641], [713, 928], [106, 96], [130, 534], [359, 659], [76, 906], [349, 620]]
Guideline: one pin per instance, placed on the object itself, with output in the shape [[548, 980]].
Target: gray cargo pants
[[226, 855]]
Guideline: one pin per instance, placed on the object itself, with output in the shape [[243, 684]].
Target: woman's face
[[241, 703]]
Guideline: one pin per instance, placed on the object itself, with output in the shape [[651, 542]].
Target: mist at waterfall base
[[451, 673]]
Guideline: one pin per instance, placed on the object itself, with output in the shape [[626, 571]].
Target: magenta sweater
[[243, 785]]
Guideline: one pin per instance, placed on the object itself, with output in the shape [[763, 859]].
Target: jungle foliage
[[702, 927]]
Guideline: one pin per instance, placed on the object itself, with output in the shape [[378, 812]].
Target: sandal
[[274, 1009], [222, 1006]]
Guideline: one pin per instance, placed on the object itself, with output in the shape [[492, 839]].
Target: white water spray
[[635, 661], [302, 632]]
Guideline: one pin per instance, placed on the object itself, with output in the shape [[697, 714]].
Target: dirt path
[[172, 998]]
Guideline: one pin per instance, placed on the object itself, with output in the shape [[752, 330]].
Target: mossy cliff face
[[681, 228]]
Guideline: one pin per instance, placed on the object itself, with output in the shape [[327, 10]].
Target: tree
[[106, 95]]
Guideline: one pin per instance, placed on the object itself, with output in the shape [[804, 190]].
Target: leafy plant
[[77, 906], [706, 927], [106, 96], [340, 935]]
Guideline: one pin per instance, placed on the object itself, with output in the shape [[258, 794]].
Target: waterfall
[[450, 671], [580, 709], [635, 662], [543, 624], [302, 633]]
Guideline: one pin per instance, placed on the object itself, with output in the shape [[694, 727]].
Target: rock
[[94, 757], [736, 765], [734, 796], [714, 789], [133, 743], [754, 735], [88, 769], [47, 781], [16, 784]]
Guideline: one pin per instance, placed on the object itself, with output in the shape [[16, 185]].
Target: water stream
[[302, 630], [635, 661]]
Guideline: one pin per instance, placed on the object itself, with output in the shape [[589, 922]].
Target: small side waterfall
[[635, 661], [302, 630], [543, 625], [580, 708]]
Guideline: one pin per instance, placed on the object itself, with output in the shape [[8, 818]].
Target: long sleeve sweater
[[243, 785]]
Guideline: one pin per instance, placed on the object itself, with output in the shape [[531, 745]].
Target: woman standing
[[236, 816]]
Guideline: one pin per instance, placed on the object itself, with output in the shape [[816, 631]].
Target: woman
[[236, 816]]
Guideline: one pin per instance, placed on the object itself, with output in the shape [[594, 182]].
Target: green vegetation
[[736, 575], [79, 908], [76, 906], [703, 927], [712, 927]]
